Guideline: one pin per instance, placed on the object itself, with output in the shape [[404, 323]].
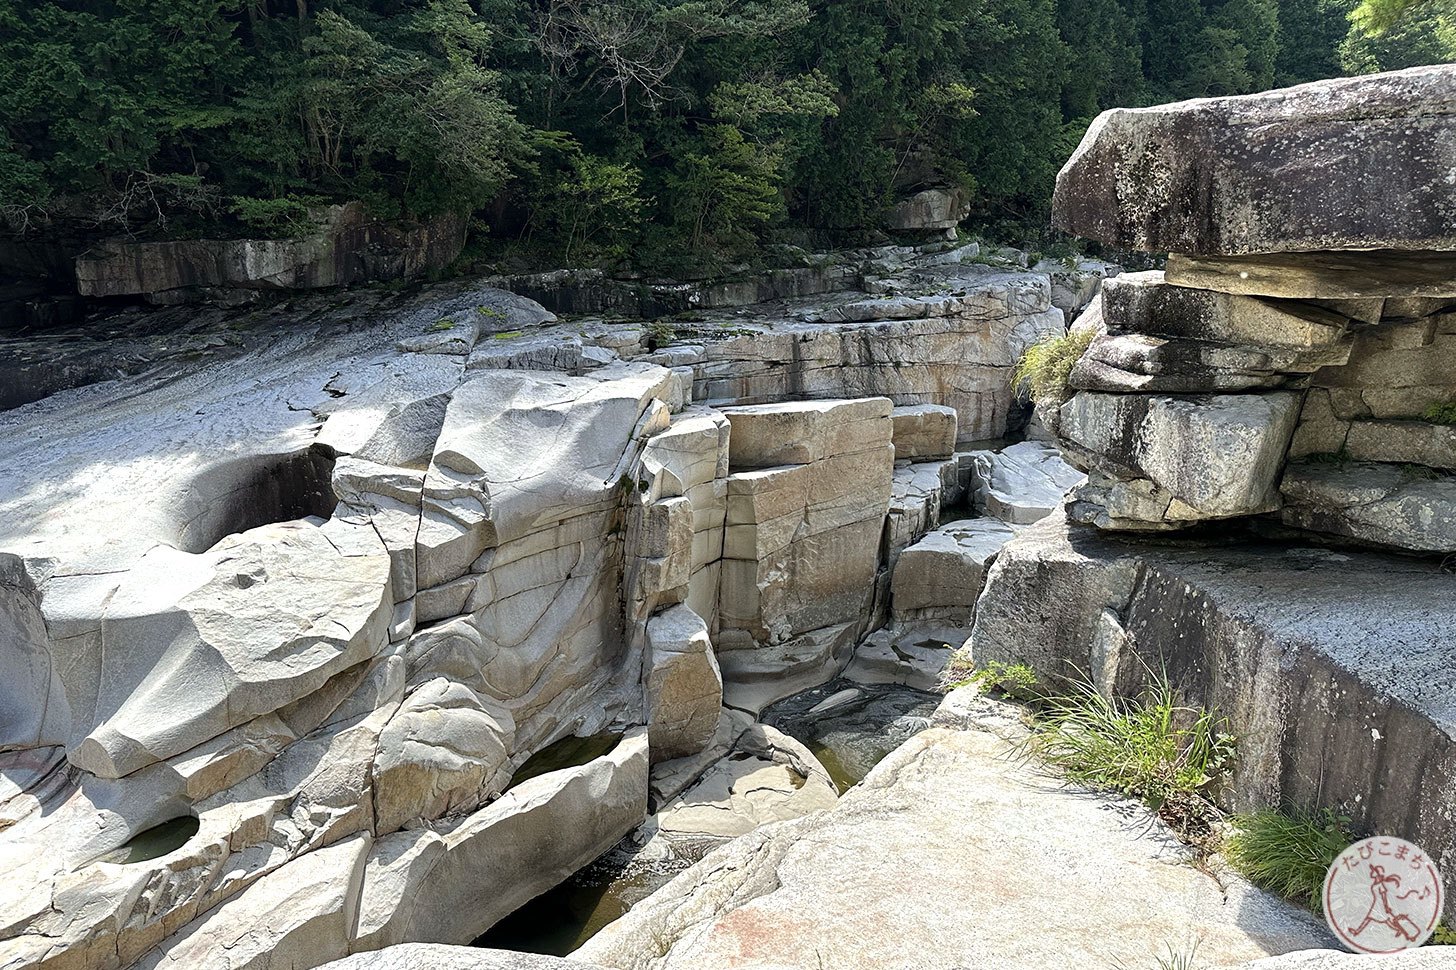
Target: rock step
[[1336, 670], [953, 852]]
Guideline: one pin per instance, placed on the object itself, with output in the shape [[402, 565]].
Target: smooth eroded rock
[[949, 835]]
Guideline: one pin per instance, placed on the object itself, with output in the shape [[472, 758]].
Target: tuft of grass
[[1419, 473], [1148, 746], [1287, 854], [1046, 367], [1174, 960], [1341, 457], [1441, 413], [1016, 681]]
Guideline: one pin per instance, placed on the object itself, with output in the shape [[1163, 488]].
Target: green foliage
[[673, 134], [289, 214], [1288, 854], [1387, 35], [583, 204], [1441, 413], [1150, 746], [719, 194], [1046, 367], [1173, 959], [1016, 681]]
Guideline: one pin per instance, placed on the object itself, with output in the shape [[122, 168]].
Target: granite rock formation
[[365, 630]]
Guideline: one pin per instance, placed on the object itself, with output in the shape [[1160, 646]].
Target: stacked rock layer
[[1297, 358]]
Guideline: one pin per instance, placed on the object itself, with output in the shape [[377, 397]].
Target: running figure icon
[[1382, 895], [1381, 886]]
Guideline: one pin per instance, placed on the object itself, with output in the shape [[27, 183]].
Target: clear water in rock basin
[[850, 734], [852, 727], [557, 922], [569, 752], [155, 842]]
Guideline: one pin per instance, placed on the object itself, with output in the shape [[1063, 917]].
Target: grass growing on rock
[[1287, 854], [1016, 681], [1046, 367], [1441, 413], [1149, 746]]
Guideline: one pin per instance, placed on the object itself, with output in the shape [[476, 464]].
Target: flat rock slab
[[1321, 276], [1354, 163], [953, 852]]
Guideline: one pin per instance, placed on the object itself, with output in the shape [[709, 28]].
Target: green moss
[[440, 326], [507, 334], [1441, 413], [1046, 367]]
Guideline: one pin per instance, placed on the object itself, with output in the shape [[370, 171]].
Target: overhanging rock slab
[[1353, 163]]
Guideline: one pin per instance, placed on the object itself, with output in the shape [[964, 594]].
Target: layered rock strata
[[1296, 360], [307, 618]]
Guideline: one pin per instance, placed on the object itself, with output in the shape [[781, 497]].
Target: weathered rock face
[[1358, 163], [950, 834], [284, 618], [929, 209], [1334, 669], [1214, 391], [349, 247]]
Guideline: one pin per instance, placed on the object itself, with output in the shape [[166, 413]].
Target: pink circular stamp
[[1383, 895]]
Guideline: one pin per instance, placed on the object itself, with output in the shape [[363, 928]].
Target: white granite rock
[[684, 685], [941, 576], [923, 431], [1022, 483], [950, 834]]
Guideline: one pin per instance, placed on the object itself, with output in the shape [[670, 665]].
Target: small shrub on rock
[[1046, 367]]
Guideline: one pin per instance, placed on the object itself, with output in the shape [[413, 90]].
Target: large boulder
[[1183, 458], [1335, 670], [684, 685], [1354, 163]]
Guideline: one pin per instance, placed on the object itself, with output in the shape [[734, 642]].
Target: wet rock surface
[[852, 727]]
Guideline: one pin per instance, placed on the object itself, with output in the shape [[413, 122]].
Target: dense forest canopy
[[669, 132]]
